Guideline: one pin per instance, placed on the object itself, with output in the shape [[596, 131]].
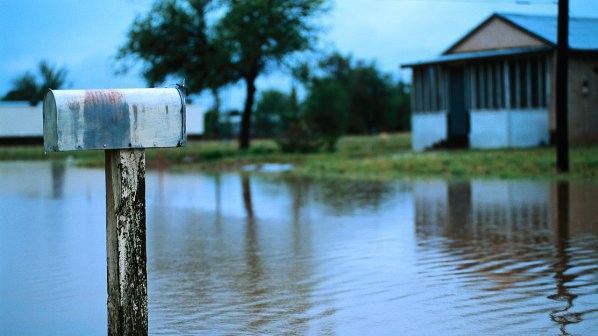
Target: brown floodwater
[[270, 254]]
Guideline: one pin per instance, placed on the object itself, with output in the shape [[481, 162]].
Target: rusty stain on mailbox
[[113, 119]]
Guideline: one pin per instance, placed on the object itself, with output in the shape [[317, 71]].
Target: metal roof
[[583, 35], [476, 55], [583, 32]]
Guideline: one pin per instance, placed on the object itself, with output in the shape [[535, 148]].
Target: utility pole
[[562, 78]]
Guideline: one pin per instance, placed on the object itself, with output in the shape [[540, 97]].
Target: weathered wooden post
[[121, 122], [562, 91]]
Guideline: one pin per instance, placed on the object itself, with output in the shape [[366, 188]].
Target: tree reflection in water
[[257, 254]]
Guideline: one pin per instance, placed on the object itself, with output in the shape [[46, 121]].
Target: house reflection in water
[[513, 240], [498, 211], [257, 254]]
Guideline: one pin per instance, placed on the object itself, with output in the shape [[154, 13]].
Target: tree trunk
[[294, 102], [216, 109], [246, 117], [216, 97]]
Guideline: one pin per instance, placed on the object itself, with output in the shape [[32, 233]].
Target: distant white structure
[[194, 123], [20, 120]]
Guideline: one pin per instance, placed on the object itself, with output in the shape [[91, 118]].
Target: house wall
[[529, 128], [427, 129], [583, 100], [489, 129], [509, 128], [496, 34], [582, 105]]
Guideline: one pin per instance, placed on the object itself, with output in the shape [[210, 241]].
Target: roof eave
[[456, 58]]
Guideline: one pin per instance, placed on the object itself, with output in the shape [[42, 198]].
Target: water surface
[[265, 254]]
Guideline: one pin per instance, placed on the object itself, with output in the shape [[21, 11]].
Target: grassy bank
[[359, 157]]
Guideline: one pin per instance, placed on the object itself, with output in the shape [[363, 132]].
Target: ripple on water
[[283, 255]]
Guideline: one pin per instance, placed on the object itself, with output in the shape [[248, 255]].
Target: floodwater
[[264, 254]]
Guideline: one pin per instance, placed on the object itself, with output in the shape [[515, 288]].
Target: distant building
[[495, 86], [21, 123], [195, 121]]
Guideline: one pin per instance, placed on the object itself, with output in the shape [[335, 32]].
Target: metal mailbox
[[113, 119]]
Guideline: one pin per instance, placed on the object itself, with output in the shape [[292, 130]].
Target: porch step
[[452, 143]]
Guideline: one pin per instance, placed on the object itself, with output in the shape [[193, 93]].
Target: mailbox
[[113, 119]]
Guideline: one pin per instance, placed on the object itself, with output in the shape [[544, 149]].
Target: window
[[430, 87], [513, 84]]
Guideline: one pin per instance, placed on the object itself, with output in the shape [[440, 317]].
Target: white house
[[494, 87]]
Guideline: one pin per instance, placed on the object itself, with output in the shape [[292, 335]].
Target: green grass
[[379, 157], [503, 163]]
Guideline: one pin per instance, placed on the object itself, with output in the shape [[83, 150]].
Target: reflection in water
[[562, 316], [246, 191], [299, 192], [245, 277], [58, 169], [500, 239], [218, 194], [459, 204], [218, 202], [261, 287], [255, 254], [161, 168], [348, 197], [254, 270]]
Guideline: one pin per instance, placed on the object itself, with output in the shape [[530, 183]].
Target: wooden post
[[517, 84], [528, 82], [500, 77], [562, 78], [482, 87], [122, 122], [126, 242], [475, 81], [507, 84]]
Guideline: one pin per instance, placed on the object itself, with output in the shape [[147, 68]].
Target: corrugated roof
[[583, 32], [583, 35], [476, 55]]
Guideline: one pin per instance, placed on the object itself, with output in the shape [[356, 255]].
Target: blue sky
[[83, 36]]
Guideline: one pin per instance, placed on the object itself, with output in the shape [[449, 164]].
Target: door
[[458, 116]]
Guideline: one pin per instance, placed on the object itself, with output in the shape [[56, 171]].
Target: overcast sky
[[83, 35]]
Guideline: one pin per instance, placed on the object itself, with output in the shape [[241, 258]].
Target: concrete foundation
[[428, 128], [509, 128]]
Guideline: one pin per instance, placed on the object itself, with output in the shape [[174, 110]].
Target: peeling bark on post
[[126, 242]]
